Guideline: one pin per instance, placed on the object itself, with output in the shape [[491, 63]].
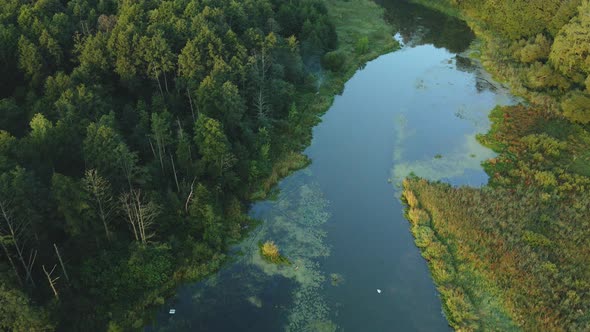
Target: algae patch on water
[[255, 301], [336, 279], [294, 222], [467, 156]]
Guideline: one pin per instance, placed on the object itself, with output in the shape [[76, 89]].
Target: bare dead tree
[[127, 161], [30, 263], [14, 231], [190, 100], [5, 249], [226, 162], [152, 147], [174, 171], [102, 199], [181, 135], [190, 195], [261, 105], [140, 215], [129, 211], [61, 262], [52, 280], [262, 63], [157, 77]]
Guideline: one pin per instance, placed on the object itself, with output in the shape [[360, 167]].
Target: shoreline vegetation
[[351, 25], [514, 254], [136, 134]]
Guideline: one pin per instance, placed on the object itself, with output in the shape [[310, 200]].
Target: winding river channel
[[340, 221]]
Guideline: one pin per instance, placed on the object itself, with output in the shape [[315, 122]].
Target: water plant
[[270, 252]]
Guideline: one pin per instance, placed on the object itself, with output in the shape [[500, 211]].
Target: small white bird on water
[[378, 291]]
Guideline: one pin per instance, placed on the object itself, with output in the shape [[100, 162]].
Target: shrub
[[539, 50], [334, 61], [410, 198], [576, 107], [418, 216], [423, 236], [362, 45], [270, 250], [545, 179]]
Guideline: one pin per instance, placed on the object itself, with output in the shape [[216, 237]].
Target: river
[[340, 221]]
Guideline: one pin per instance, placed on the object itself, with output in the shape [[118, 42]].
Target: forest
[[133, 135], [515, 255]]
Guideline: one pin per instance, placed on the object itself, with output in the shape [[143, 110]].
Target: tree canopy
[[129, 132]]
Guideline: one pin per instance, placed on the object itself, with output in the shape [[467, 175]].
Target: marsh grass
[[469, 300], [284, 166], [508, 256]]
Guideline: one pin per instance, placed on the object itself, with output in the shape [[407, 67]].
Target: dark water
[[355, 266]]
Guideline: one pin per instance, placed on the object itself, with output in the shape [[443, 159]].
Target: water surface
[[355, 266]]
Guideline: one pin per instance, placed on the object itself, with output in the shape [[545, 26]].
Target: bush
[[539, 50], [418, 216], [362, 45], [334, 61], [576, 107], [270, 250], [410, 198]]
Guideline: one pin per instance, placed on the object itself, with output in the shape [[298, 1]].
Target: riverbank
[[356, 22], [510, 254]]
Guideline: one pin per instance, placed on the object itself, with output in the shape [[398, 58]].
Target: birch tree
[[140, 213], [101, 198], [13, 234]]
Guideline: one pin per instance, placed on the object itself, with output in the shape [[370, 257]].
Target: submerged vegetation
[[514, 255], [296, 219]]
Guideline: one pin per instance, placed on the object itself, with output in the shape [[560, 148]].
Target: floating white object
[[172, 311], [378, 291]]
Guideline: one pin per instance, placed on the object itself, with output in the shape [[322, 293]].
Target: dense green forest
[[133, 134], [515, 254]]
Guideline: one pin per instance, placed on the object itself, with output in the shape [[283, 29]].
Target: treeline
[[513, 255], [541, 47], [132, 134]]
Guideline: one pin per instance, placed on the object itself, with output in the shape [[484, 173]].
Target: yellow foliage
[[418, 216], [410, 198], [270, 250]]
